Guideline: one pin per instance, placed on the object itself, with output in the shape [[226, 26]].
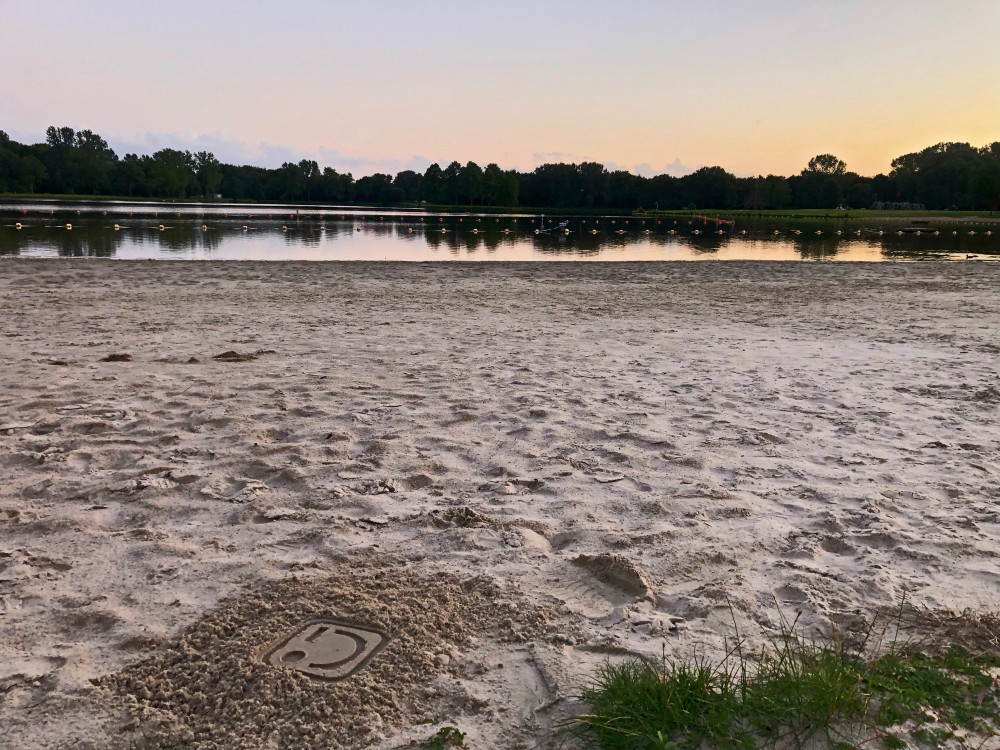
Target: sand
[[538, 466]]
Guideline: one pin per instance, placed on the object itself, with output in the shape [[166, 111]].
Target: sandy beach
[[515, 471]]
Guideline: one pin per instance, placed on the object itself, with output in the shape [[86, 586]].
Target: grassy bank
[[939, 690]]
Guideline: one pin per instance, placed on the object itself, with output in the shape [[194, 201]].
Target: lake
[[215, 231]]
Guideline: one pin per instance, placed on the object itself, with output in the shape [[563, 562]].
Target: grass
[[796, 692], [445, 738]]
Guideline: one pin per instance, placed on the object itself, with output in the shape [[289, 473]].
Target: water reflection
[[337, 233]]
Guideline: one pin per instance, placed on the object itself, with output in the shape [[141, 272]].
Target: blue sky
[[648, 86]]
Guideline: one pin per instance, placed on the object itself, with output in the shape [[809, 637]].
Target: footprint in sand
[[595, 585]]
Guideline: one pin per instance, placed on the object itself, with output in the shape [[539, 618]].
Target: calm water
[[275, 232]]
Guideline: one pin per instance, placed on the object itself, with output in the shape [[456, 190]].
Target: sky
[[383, 85]]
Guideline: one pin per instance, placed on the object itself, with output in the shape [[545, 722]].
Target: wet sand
[[580, 461]]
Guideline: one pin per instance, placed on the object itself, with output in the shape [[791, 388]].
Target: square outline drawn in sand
[[328, 649]]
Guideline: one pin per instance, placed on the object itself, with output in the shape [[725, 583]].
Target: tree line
[[943, 176]]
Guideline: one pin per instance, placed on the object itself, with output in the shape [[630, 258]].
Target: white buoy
[[204, 227], [284, 229], [818, 232], [69, 226], [17, 225], [162, 227], [246, 228], [117, 227], [593, 231]]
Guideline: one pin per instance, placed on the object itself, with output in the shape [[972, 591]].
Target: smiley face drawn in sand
[[328, 649]]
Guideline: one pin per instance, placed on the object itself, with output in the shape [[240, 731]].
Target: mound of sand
[[214, 686]]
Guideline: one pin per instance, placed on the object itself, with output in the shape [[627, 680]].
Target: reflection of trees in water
[[306, 234], [464, 235], [818, 247], [182, 237], [80, 242]]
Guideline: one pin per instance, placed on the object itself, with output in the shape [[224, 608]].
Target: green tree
[[826, 164], [172, 173], [435, 185], [94, 161], [130, 177], [209, 173], [410, 184]]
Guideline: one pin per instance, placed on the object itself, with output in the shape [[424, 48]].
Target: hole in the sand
[[328, 649]]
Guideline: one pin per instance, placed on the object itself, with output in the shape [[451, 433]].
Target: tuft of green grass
[[445, 738], [793, 691]]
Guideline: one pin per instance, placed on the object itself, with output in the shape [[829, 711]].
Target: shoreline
[[618, 451]]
